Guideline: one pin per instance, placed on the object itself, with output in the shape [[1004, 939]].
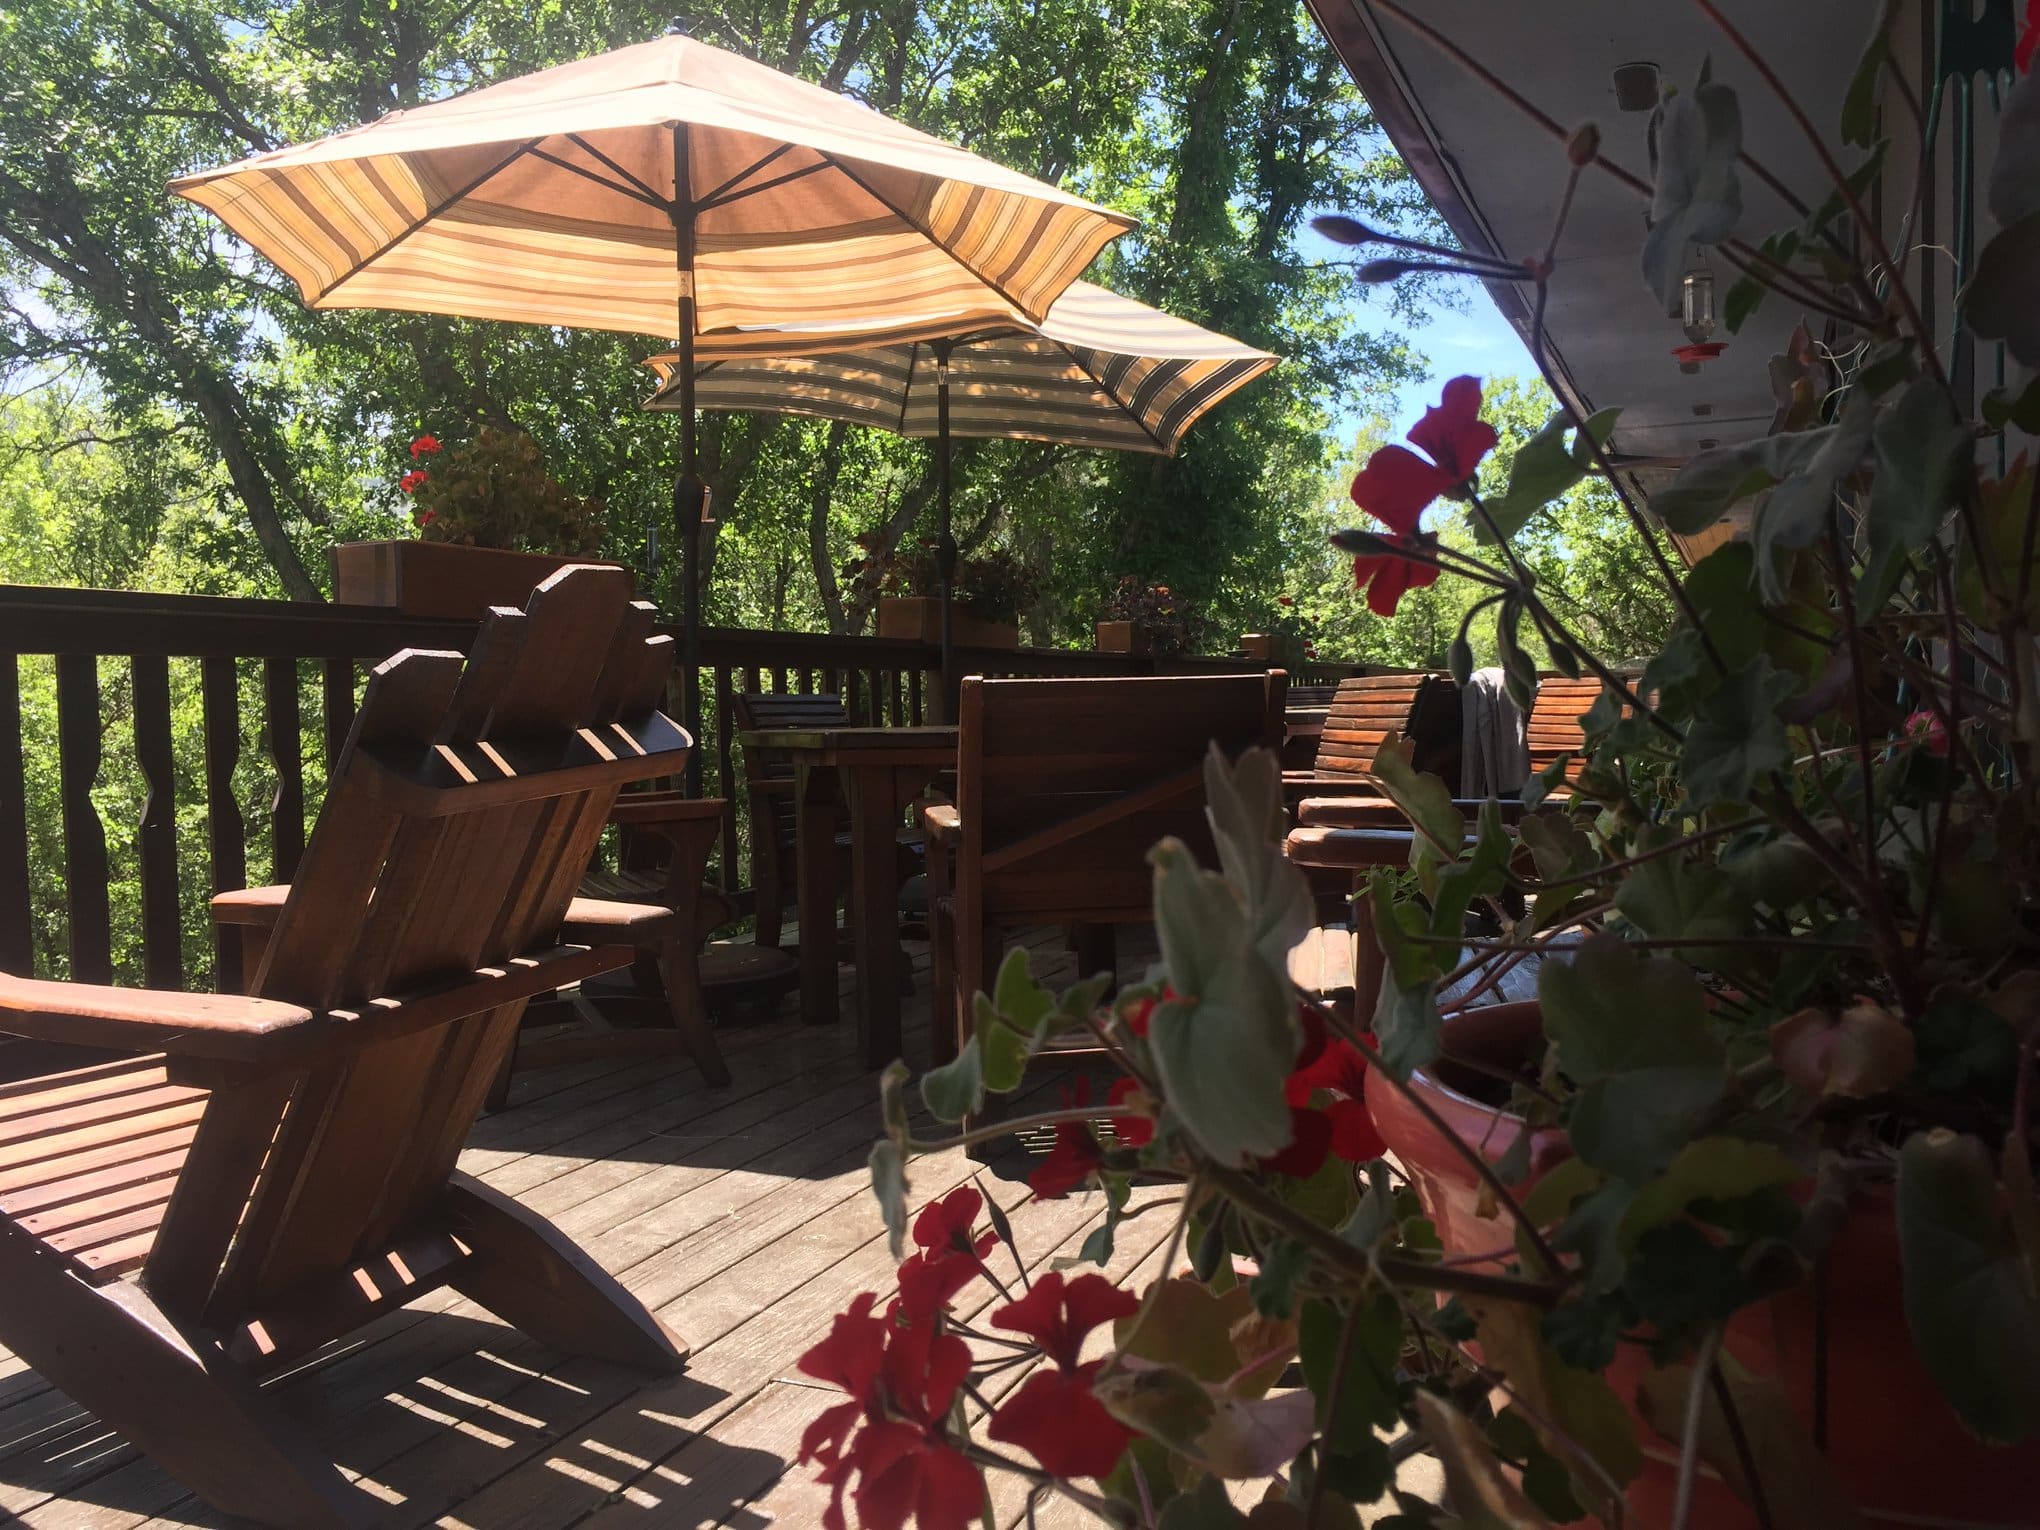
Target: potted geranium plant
[[1142, 617], [492, 524], [1736, 1224], [989, 592], [1288, 640]]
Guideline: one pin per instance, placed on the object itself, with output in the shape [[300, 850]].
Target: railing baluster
[[78, 752], [337, 681], [284, 724], [162, 913], [17, 913], [726, 774], [220, 686]]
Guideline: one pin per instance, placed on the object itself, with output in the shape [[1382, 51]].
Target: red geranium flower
[[1054, 1415], [424, 446], [1284, 600], [2029, 38], [949, 1259], [1132, 1131], [1397, 485], [424, 517], [1340, 1127], [1076, 1154], [410, 481], [1141, 1012], [892, 1433], [1925, 729]]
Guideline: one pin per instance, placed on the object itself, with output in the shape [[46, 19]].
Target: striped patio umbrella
[[666, 188], [1100, 370]]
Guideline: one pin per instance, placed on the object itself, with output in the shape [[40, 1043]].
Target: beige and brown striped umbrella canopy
[[568, 197], [1101, 370]]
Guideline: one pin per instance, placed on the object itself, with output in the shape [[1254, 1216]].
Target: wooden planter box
[[1121, 637], [439, 579], [1258, 646], [919, 619]]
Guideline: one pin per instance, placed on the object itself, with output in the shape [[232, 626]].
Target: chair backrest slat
[[1034, 754], [777, 709], [398, 893], [1553, 727], [1366, 709]]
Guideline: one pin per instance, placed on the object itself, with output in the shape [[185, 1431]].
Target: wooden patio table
[[879, 771]]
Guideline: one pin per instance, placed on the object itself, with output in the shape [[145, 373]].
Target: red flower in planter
[[424, 446], [1076, 1153], [1924, 729], [892, 1433], [1132, 1131], [425, 518], [1140, 1013], [1054, 1416], [411, 481], [2029, 38], [1340, 1127], [1396, 486], [949, 1259]]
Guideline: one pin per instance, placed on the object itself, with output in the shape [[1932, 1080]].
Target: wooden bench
[[269, 1173]]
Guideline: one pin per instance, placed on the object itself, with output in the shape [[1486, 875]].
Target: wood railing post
[[220, 691], [78, 754], [17, 908], [162, 910], [283, 725]]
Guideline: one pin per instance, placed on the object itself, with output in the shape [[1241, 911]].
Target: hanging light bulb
[[1697, 301]]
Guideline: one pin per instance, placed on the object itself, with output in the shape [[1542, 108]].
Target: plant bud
[[1386, 270], [1341, 229], [1583, 145]]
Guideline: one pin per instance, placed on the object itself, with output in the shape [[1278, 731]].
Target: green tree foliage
[[1221, 123]]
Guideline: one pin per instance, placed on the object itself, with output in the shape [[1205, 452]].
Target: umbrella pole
[[690, 493], [945, 543]]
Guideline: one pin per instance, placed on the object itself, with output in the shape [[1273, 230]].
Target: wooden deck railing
[[199, 728]]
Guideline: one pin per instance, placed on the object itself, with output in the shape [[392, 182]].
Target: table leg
[[814, 808], [872, 794]]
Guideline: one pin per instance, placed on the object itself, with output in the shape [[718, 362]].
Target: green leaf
[[1545, 467], [1203, 1507], [1723, 588], [1698, 198], [1159, 1401], [1578, 1403], [1002, 1051], [2021, 411], [1859, 103], [1634, 1123], [1481, 1492], [1482, 873], [1612, 1009], [1745, 295], [1801, 508], [957, 1088], [1557, 844], [1424, 799], [2014, 187], [1672, 898], [1274, 1287], [1545, 1482], [1017, 996], [1713, 1169], [1997, 301], [1367, 1397], [1718, 479], [1680, 674], [1248, 822], [1736, 736], [1407, 1025], [889, 1184], [1224, 1055], [1924, 455], [1974, 1322]]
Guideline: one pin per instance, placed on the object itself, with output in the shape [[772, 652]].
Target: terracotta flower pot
[[919, 619], [1120, 637], [440, 579], [1892, 1440]]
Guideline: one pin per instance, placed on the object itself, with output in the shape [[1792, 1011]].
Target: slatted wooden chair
[[1062, 788], [768, 793], [270, 1172], [1365, 709], [1553, 726]]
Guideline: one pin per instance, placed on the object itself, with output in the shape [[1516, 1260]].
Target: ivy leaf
[[1924, 453], [1801, 508], [1224, 1055], [1698, 198], [1671, 898], [1736, 736], [1723, 589], [1557, 844], [1545, 467], [1996, 301], [1612, 1009], [1973, 1320]]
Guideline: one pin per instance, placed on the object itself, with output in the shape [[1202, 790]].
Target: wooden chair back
[[1064, 785], [1553, 726], [459, 820], [768, 709], [1366, 709]]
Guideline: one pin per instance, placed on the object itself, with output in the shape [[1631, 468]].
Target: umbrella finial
[[682, 25]]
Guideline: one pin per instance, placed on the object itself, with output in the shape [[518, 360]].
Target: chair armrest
[[942, 824], [224, 1026], [251, 906], [648, 810]]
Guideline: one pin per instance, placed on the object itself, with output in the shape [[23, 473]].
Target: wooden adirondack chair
[[1365, 709], [1062, 788], [768, 793], [274, 1171], [1553, 726]]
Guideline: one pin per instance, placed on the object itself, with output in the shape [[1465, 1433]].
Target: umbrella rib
[[588, 148], [907, 391], [745, 174], [619, 187], [417, 223], [926, 233], [719, 200]]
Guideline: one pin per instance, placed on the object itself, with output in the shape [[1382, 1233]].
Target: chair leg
[[531, 1275], [679, 967], [769, 893], [976, 952], [176, 1398]]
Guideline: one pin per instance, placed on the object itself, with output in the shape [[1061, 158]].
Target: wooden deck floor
[[741, 1215]]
